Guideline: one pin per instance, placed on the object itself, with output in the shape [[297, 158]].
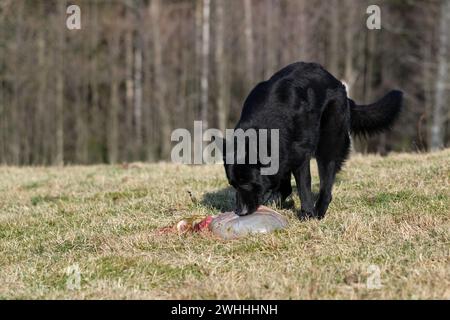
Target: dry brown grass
[[389, 212]]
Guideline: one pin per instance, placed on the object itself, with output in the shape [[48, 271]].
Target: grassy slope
[[390, 212]]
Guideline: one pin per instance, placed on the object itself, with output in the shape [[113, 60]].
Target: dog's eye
[[246, 186]]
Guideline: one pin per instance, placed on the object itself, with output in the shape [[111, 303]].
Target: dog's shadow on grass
[[221, 200]]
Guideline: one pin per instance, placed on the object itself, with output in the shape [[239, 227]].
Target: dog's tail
[[376, 117]]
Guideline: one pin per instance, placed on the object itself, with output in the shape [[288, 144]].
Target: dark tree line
[[114, 90]]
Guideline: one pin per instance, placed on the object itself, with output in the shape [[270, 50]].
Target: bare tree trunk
[[204, 81], [46, 122], [148, 112], [113, 121], [334, 38], [138, 94], [129, 88], [428, 80], [83, 106], [160, 81], [182, 109], [59, 156], [368, 77], [249, 43], [302, 50], [349, 72], [81, 147], [39, 148], [96, 118], [270, 65], [440, 97], [221, 68], [385, 69], [14, 122], [3, 114], [2, 122], [198, 56]]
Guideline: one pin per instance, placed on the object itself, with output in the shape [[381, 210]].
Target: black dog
[[315, 117]]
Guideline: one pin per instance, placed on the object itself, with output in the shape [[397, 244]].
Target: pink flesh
[[203, 224]]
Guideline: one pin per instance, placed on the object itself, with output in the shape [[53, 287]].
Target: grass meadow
[[90, 232]]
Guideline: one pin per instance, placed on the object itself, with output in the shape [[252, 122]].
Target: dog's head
[[252, 188]]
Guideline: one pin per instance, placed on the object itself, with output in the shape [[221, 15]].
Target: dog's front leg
[[302, 176]]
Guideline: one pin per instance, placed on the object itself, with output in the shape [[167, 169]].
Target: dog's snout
[[246, 203], [242, 211]]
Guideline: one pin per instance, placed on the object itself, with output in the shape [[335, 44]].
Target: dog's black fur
[[315, 117]]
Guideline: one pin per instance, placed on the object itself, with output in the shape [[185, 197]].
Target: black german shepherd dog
[[315, 118]]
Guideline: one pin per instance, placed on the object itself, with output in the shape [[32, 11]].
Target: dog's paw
[[307, 215], [288, 204]]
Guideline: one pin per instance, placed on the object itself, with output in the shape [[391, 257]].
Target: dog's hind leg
[[333, 148], [327, 173], [329, 162]]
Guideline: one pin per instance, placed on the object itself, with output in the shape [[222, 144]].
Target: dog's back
[[294, 90], [293, 100]]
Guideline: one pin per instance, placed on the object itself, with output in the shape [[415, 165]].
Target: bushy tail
[[376, 117]]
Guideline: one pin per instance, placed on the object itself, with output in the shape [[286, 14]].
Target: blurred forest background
[[114, 90]]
